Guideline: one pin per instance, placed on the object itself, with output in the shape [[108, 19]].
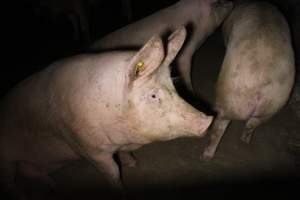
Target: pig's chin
[[194, 133]]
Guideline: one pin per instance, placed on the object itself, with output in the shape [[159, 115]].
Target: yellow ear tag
[[140, 66]]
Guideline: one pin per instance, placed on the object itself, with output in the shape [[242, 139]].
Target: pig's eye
[[154, 98]]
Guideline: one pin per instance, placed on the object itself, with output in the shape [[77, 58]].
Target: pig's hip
[[241, 102], [47, 153]]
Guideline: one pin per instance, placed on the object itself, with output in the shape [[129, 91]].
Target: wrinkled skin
[[202, 17], [91, 106], [258, 70]]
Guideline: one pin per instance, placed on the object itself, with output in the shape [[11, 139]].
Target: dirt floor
[[268, 167]]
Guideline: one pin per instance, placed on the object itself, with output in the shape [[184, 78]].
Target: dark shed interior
[[36, 35]]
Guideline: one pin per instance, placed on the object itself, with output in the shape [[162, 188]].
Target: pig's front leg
[[126, 157], [99, 152], [105, 163], [184, 63]]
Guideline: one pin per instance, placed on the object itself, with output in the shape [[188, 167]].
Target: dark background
[[35, 39]]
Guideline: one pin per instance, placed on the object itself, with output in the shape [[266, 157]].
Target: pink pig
[[91, 106], [258, 70]]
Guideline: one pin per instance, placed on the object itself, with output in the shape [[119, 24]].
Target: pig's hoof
[[206, 156], [246, 138]]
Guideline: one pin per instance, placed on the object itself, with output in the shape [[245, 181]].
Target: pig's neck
[[195, 15], [114, 91], [194, 7], [112, 82]]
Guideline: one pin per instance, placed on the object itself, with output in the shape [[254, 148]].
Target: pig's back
[[255, 20], [136, 34], [258, 70]]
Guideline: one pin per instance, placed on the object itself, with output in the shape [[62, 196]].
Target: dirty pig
[[257, 73], [92, 106], [201, 17]]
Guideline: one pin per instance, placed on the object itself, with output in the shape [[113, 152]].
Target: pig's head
[[154, 110], [214, 13]]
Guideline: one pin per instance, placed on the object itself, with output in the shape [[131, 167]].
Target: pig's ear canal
[[175, 42], [148, 59]]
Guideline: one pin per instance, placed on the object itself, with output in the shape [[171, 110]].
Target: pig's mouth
[[200, 128]]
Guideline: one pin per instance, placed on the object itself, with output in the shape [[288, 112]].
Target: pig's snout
[[203, 123], [198, 123]]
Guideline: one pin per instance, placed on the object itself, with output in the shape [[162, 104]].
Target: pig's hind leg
[[29, 170], [250, 127], [218, 129]]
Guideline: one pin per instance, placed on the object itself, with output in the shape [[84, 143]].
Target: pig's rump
[[257, 72], [26, 135], [35, 153], [256, 76]]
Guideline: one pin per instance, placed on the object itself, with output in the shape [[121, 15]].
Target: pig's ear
[[147, 60], [175, 42]]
